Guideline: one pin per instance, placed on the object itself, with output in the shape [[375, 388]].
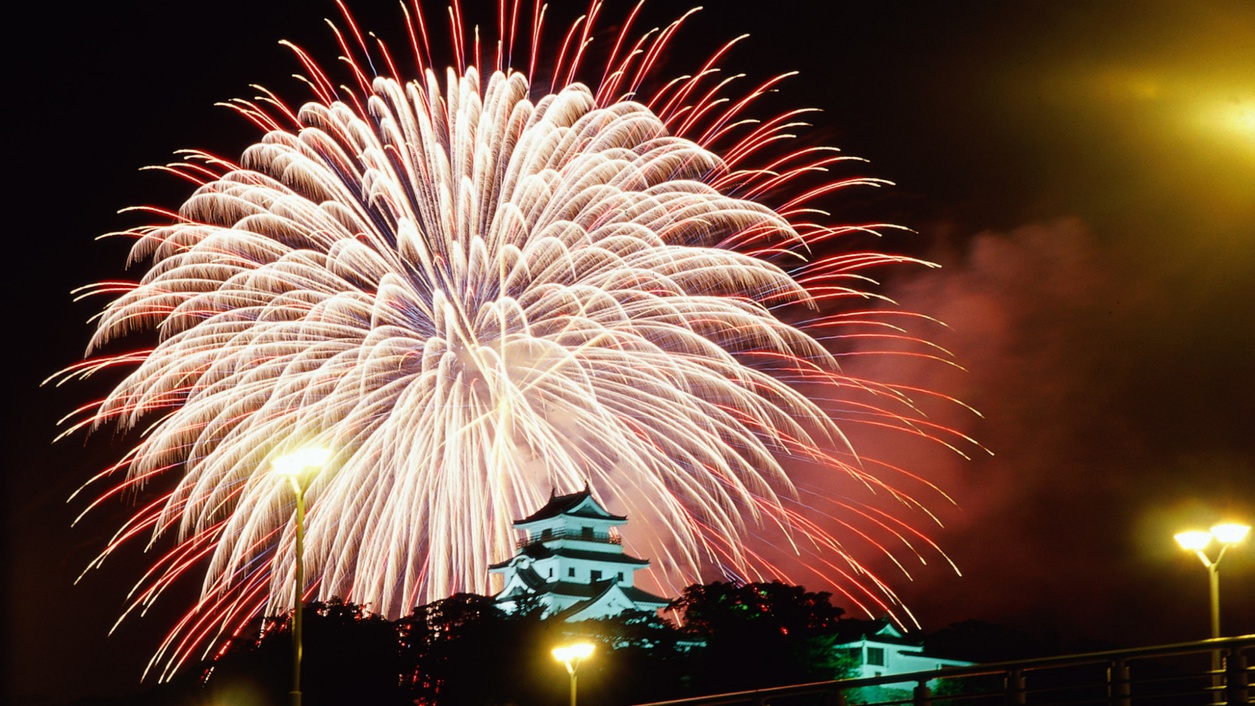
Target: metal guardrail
[[1165, 675]]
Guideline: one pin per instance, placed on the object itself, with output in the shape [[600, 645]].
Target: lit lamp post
[[295, 467], [1197, 541], [571, 656]]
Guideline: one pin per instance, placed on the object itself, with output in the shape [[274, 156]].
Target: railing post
[[1015, 687], [922, 695], [837, 698], [1235, 677], [1118, 683]]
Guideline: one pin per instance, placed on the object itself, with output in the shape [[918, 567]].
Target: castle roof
[[581, 504], [538, 550], [587, 592]]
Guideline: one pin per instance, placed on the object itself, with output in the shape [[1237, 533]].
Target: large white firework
[[475, 290]]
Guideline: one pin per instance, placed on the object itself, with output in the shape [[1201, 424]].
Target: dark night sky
[[1084, 172]]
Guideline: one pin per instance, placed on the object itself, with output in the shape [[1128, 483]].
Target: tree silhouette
[[466, 650], [349, 656], [757, 635]]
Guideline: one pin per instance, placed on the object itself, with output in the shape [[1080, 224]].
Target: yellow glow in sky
[[1232, 119], [1148, 134]]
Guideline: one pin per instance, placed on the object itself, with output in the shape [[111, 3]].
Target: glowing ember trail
[[475, 288]]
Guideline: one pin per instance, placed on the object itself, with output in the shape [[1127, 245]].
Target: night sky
[[1084, 172]]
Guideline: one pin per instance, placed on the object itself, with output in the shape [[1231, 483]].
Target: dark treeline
[[465, 650]]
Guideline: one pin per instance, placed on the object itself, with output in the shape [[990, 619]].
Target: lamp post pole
[[294, 466], [1213, 578], [297, 610]]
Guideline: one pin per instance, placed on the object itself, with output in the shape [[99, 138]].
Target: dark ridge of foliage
[[760, 634], [466, 650]]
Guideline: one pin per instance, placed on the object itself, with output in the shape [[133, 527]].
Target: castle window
[[571, 572], [876, 656], [586, 532], [546, 533], [595, 575]]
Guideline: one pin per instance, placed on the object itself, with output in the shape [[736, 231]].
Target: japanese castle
[[571, 562]]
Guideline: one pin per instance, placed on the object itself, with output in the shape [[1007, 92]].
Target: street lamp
[[571, 656], [1197, 541], [295, 467], [1226, 535]]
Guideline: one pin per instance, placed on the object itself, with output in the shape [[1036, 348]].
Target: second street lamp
[[1197, 541], [296, 467], [1226, 535]]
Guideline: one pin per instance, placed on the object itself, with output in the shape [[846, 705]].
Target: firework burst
[[476, 287]]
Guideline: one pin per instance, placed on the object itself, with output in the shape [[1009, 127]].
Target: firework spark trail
[[477, 289]]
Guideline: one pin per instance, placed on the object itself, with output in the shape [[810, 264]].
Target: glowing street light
[[571, 656], [295, 467], [1226, 535]]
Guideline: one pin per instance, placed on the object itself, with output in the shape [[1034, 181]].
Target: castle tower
[[573, 564]]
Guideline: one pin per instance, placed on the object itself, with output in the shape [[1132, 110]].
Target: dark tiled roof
[[562, 504], [591, 593], [531, 578], [537, 551], [540, 551], [639, 596]]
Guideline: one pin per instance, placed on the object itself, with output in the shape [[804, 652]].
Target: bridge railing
[[1164, 675]]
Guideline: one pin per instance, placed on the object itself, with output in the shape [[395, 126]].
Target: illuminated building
[[878, 648], [573, 564]]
